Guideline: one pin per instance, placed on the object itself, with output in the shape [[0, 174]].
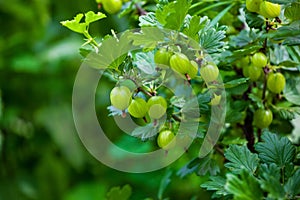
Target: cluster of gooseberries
[[121, 98], [253, 67], [125, 98], [181, 64], [155, 108], [111, 6], [264, 8], [188, 69]]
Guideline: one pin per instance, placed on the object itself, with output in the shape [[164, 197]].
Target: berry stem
[[247, 126], [265, 84], [219, 149], [140, 10], [188, 78], [259, 131], [145, 119], [140, 89], [176, 118]]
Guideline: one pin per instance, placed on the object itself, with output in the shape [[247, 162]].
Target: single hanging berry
[[138, 108], [262, 118], [209, 72], [269, 10], [165, 139], [120, 97], [276, 82], [157, 106]]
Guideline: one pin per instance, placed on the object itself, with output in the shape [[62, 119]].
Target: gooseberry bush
[[241, 58]]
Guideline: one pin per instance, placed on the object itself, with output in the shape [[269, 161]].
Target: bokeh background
[[41, 155]]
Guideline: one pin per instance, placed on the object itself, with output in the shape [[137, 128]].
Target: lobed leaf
[[118, 193], [75, 24], [172, 15], [292, 187], [216, 184], [276, 150], [241, 159], [270, 180], [165, 181], [92, 17], [243, 187]]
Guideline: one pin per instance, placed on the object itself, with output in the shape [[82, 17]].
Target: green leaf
[[217, 18], [178, 101], [145, 132], [243, 187], [294, 52], [254, 20], [276, 150], [84, 52], [245, 38], [111, 53], [245, 51], [189, 168], [236, 111], [201, 166], [172, 15], [148, 20], [210, 38], [114, 111], [92, 17], [165, 181], [287, 64], [192, 26], [148, 37], [235, 82], [270, 181], [116, 193], [292, 187], [207, 32], [240, 159], [292, 11], [217, 184], [239, 90], [287, 112], [75, 24], [257, 100], [290, 34], [292, 90], [279, 54], [145, 62], [208, 165]]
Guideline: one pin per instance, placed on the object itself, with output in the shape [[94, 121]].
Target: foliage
[[267, 175], [43, 158]]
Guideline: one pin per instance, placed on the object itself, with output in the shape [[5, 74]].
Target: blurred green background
[[41, 156]]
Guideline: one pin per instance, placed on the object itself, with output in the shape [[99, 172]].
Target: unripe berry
[[269, 10], [138, 108], [209, 72], [259, 59], [166, 139], [253, 5], [162, 57], [180, 63], [262, 118], [276, 82], [112, 6], [120, 97], [157, 106]]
